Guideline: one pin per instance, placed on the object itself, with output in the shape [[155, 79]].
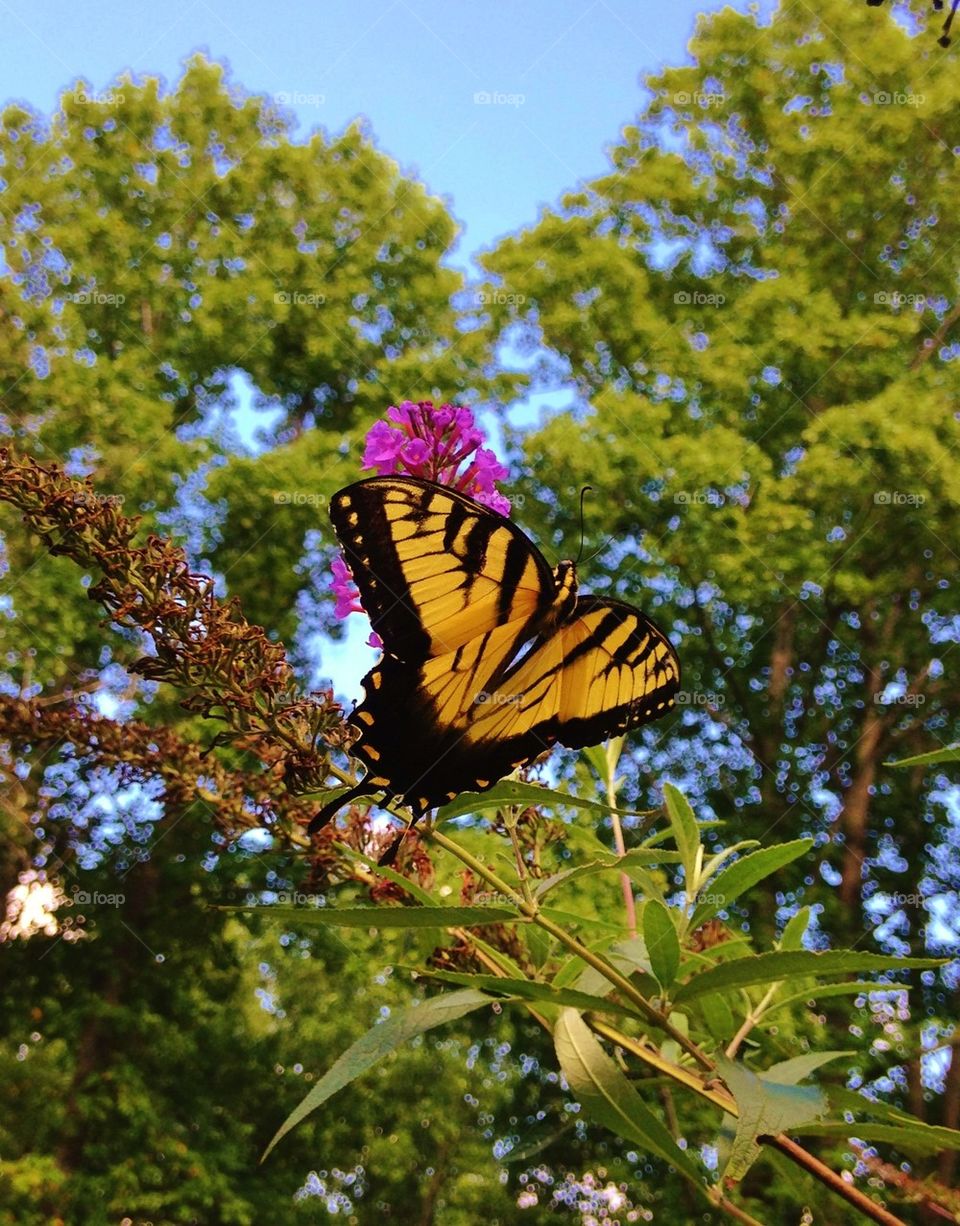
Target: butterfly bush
[[439, 444]]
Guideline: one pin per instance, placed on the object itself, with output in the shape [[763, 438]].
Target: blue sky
[[564, 75]]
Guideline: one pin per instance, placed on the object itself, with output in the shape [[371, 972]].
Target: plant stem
[[625, 882], [532, 912], [751, 1019]]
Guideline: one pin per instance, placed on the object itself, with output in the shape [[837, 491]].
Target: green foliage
[[691, 1005], [170, 239], [754, 307]]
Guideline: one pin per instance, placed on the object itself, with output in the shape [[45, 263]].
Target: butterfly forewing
[[435, 569]]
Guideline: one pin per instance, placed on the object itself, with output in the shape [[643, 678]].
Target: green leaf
[[659, 837], [662, 942], [377, 1043], [821, 991], [950, 754], [790, 964], [411, 887], [686, 833], [596, 755], [743, 874], [795, 929], [915, 1136], [625, 863], [718, 1016], [789, 1072], [629, 958], [568, 918], [513, 792], [532, 989], [531, 1147], [931, 1135], [388, 917], [607, 1096], [765, 1108]]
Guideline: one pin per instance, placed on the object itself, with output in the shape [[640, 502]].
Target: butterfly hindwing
[[460, 721], [436, 569]]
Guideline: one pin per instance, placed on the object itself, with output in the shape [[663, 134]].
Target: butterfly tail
[[320, 819]]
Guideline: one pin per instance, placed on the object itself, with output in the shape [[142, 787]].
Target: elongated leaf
[[607, 1096], [789, 1072], [915, 1137], [389, 917], [740, 876], [795, 929], [789, 964], [629, 958], [653, 839], [638, 856], [568, 918], [528, 1148], [379, 870], [532, 989], [649, 886], [850, 1100], [950, 754], [718, 1016], [765, 1107], [821, 991], [662, 942], [596, 755], [513, 792], [370, 1048], [686, 833]]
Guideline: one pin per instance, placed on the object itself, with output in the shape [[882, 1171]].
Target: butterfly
[[489, 656]]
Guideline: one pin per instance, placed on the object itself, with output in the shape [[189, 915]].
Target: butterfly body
[[490, 657]]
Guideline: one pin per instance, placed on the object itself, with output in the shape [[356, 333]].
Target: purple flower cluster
[[433, 443]]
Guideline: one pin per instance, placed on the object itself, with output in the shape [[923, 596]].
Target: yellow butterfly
[[490, 657]]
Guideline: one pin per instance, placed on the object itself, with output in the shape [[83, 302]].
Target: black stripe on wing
[[368, 535]]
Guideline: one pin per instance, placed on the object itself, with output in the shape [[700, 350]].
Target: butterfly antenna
[[583, 493], [319, 820]]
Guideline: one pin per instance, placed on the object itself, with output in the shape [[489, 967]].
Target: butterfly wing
[[435, 569], [461, 720]]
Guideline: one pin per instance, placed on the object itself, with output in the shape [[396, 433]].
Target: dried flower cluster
[[229, 668]]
